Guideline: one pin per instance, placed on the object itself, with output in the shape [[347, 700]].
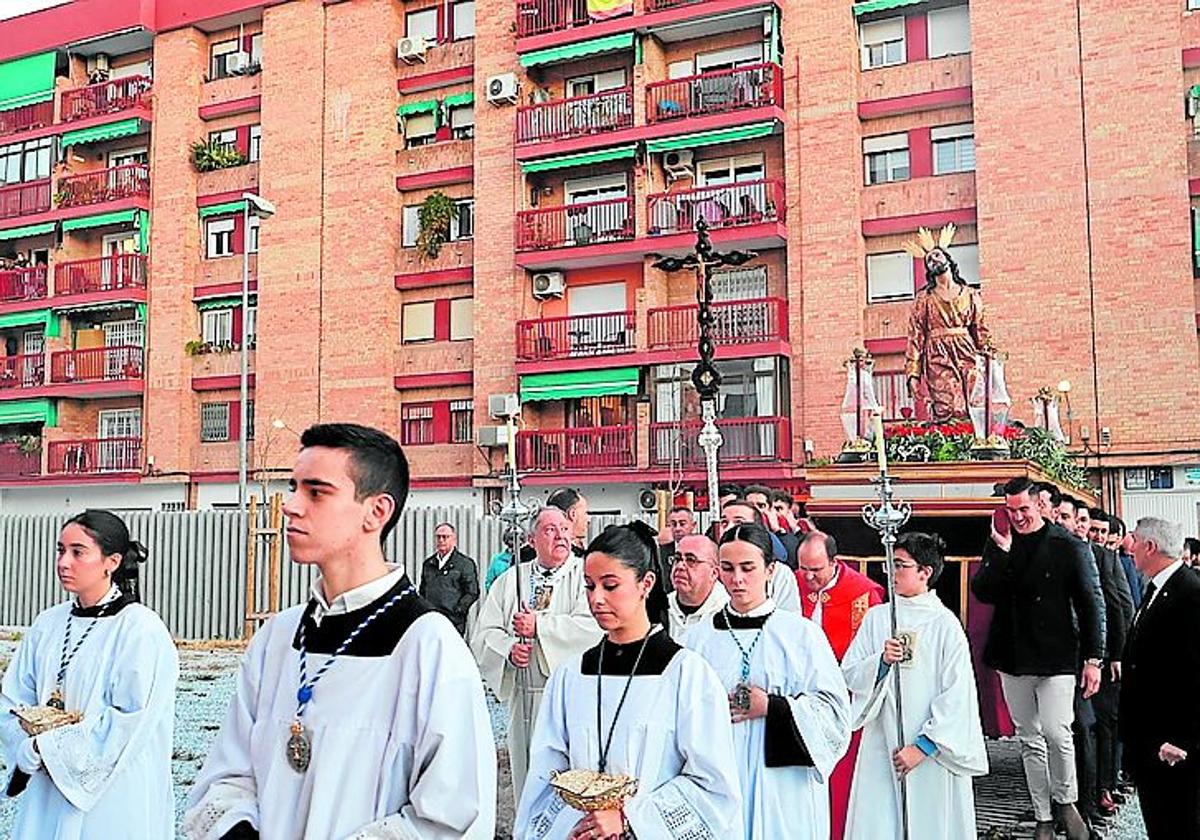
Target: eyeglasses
[[690, 560]]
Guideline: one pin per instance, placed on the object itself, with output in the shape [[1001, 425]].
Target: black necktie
[[1150, 590]]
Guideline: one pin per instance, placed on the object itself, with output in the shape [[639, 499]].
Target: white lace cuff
[[28, 761]]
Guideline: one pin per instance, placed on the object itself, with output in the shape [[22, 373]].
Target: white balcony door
[[747, 319], [120, 334], [605, 302], [590, 223], [115, 427], [33, 344], [115, 244]]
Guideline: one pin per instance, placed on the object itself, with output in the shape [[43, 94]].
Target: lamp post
[[262, 209], [705, 376]]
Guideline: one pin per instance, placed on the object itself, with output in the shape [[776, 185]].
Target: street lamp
[[262, 209]]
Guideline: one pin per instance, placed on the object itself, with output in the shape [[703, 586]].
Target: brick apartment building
[[579, 141]]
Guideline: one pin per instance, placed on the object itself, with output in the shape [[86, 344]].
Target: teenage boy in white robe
[[390, 736], [109, 658], [944, 744]]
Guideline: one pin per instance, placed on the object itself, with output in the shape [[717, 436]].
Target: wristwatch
[[1095, 663]]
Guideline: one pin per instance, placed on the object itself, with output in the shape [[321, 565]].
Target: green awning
[[579, 159], [31, 318], [580, 49], [226, 302], [579, 383], [1196, 237], [119, 217], [425, 106], [26, 81], [865, 8], [143, 229], [1194, 92], [139, 312], [223, 209], [456, 99], [711, 138], [108, 131], [28, 230], [29, 411]]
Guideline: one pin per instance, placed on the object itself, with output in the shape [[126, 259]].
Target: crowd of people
[[744, 682]]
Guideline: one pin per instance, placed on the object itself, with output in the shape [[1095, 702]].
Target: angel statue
[[946, 332]]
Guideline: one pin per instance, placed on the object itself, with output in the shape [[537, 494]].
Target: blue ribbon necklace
[[741, 692], [299, 745]]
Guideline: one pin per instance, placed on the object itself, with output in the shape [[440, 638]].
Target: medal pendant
[[299, 748], [56, 700], [741, 696]]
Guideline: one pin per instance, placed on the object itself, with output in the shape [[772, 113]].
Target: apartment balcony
[[102, 186], [740, 327], [112, 277], [105, 98], [21, 284], [121, 364], [578, 450], [576, 336], [746, 440], [730, 205], [95, 456], [717, 92], [537, 17], [24, 199], [27, 117], [588, 223], [578, 116], [20, 373], [16, 462]]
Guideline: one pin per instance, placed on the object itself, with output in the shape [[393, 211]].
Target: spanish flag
[[605, 9]]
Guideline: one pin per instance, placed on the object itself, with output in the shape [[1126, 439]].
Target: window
[[462, 226], [462, 122], [225, 57], [729, 58], [967, 257], [886, 159], [424, 24], [255, 143], [462, 319], [462, 417], [214, 422], [216, 327], [28, 161], [882, 42], [595, 83], [416, 424], [953, 148], [419, 130], [417, 321], [256, 44], [730, 170], [252, 325], [410, 225], [463, 20], [889, 277], [226, 138], [248, 432], [1161, 478], [252, 235], [949, 31], [218, 235]]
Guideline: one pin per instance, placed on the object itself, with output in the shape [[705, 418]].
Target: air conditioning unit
[[97, 64], [548, 284], [502, 89], [412, 50], [237, 62], [678, 164], [493, 436], [503, 406], [648, 500]]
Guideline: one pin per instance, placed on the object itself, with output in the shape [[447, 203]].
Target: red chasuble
[[842, 610]]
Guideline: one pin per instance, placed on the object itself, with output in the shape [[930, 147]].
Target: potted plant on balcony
[[28, 444], [434, 217], [209, 156]]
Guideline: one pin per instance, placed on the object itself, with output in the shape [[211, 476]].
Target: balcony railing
[[659, 5], [97, 364], [22, 283], [713, 93], [575, 224], [105, 98], [729, 205], [745, 440], [127, 181], [734, 322], [23, 199], [118, 271], [575, 117], [25, 371], [598, 448], [574, 336], [16, 462], [536, 17], [91, 457], [37, 115]]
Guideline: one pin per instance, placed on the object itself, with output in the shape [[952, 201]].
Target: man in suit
[[1160, 686], [449, 579]]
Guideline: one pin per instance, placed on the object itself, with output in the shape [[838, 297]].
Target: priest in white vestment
[[788, 700], [359, 715], [944, 744], [527, 627], [696, 592]]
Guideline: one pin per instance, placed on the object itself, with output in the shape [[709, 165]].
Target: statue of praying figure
[[946, 331]]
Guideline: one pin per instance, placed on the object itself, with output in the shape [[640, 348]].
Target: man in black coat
[[1160, 686], [1049, 616], [449, 578]]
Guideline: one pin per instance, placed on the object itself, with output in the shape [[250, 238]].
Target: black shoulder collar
[[378, 639], [725, 620], [103, 610], [619, 659]]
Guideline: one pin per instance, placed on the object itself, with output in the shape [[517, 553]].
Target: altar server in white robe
[[787, 697], [639, 705], [359, 715], [944, 744], [696, 591], [108, 657], [524, 632]]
